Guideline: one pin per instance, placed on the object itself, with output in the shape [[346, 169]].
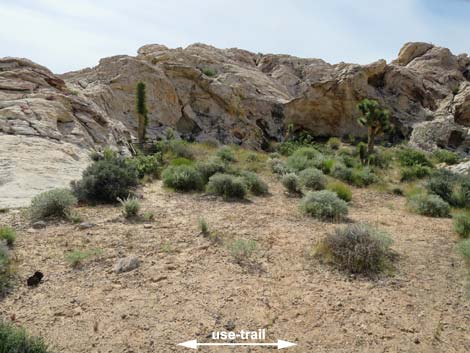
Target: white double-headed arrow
[[280, 344]]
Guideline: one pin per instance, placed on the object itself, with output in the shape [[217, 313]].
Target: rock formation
[[48, 123]]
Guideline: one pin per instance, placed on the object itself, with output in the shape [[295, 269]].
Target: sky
[[70, 35]]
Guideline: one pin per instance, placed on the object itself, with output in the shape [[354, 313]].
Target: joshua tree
[[375, 118], [141, 107]]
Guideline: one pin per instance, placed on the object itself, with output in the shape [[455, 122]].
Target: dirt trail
[[186, 286]]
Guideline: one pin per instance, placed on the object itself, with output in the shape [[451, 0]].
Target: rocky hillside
[[48, 123]]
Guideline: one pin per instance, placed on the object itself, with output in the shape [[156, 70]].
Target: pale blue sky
[[68, 35]]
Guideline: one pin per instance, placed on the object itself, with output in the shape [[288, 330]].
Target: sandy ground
[[187, 286]]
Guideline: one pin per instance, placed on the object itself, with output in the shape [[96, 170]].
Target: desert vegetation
[[325, 186]]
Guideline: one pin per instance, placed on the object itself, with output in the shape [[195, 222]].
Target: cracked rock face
[[228, 95]]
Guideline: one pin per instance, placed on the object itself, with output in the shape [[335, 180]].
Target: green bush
[[210, 167], [182, 178], [297, 163], [363, 177], [278, 166], [226, 154], [381, 158], [105, 181], [147, 165], [242, 250], [443, 183], [462, 224], [324, 205], [361, 152], [130, 207], [334, 143], [349, 161], [410, 157], [414, 172], [323, 163], [228, 186], [5, 269], [446, 156], [203, 226], [180, 149], [254, 184], [76, 257], [308, 152], [52, 203], [8, 235], [464, 192], [312, 179], [342, 190], [429, 205], [181, 161], [292, 183], [209, 71], [341, 172], [463, 248], [16, 340], [356, 248]]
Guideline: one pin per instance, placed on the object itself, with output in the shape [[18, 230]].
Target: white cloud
[[67, 35]]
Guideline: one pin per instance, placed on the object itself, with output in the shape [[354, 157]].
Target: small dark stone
[[35, 279], [416, 340]]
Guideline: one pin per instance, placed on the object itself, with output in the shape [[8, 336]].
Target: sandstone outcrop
[[229, 95]]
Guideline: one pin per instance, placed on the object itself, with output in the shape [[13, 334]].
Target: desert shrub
[[349, 161], [8, 235], [254, 184], [442, 183], [226, 154], [414, 172], [446, 156], [356, 248], [278, 166], [148, 216], [312, 179], [209, 71], [342, 190], [203, 226], [130, 207], [363, 177], [275, 155], [105, 181], [410, 157], [323, 163], [429, 205], [5, 270], [180, 149], [462, 224], [181, 161], [242, 250], [76, 257], [334, 143], [308, 152], [182, 178], [464, 192], [16, 340], [252, 157], [324, 205], [228, 186], [52, 203], [341, 172], [361, 152], [147, 165], [210, 167], [381, 158], [292, 183], [297, 163], [463, 248]]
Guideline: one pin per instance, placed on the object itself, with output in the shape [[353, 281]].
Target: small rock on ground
[[127, 264]]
